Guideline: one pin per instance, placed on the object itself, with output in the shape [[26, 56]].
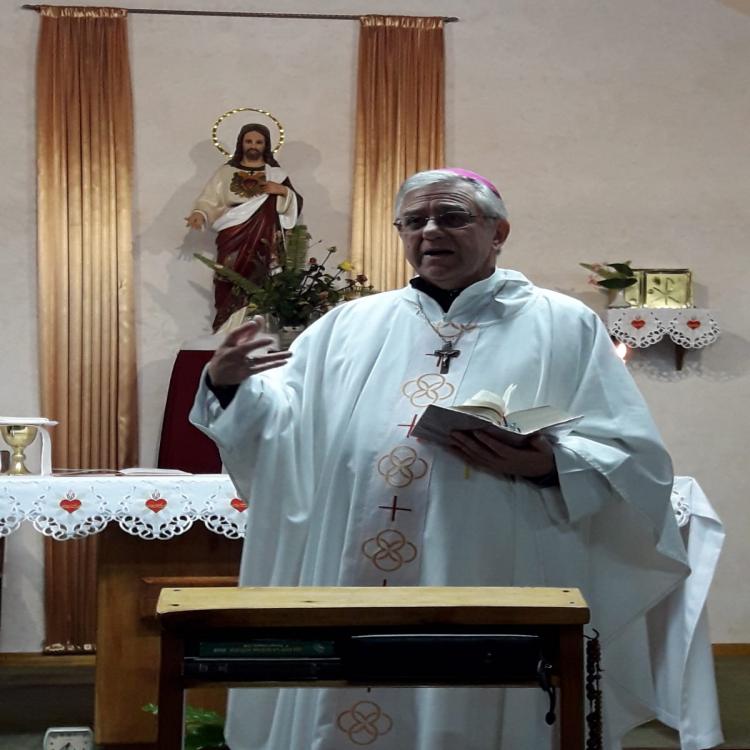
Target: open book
[[487, 411]]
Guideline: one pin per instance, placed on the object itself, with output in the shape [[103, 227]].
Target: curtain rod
[[240, 14]]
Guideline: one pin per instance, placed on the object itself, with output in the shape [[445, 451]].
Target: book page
[[538, 418], [437, 422]]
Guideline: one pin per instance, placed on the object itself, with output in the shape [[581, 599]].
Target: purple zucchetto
[[474, 176]]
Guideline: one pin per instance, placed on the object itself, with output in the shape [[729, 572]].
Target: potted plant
[[204, 729], [614, 278], [297, 289]]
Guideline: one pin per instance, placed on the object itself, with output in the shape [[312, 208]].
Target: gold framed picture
[[667, 287]]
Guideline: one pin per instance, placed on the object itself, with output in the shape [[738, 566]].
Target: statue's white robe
[[223, 208], [320, 449]]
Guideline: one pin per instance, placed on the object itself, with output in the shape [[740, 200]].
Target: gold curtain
[[400, 130], [86, 321]]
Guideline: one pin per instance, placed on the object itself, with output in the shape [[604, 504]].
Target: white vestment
[[340, 494]]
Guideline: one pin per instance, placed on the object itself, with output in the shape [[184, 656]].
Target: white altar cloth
[[151, 507], [161, 507], [690, 328], [683, 661]]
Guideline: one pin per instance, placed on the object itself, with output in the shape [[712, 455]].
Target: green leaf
[[203, 716], [204, 729], [204, 738], [601, 270], [619, 283], [622, 268], [297, 241], [246, 286]]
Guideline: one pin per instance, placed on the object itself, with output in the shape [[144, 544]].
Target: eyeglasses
[[444, 220]]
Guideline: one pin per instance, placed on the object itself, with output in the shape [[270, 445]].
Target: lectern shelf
[[340, 636]]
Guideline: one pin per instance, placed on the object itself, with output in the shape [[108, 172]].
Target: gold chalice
[[18, 437]]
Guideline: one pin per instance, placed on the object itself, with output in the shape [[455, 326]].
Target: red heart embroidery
[[156, 504], [70, 504], [693, 324], [638, 323], [239, 504]]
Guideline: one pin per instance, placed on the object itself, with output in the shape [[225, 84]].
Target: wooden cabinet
[[131, 572]]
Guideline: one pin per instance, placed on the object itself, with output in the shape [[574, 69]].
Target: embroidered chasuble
[[340, 493]]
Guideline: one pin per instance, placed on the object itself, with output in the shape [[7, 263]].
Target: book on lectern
[[488, 412]]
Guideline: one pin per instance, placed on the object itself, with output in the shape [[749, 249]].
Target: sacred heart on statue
[[693, 324], [638, 323], [239, 504], [156, 503], [248, 184]]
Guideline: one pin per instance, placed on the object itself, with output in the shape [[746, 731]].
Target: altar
[[199, 523]]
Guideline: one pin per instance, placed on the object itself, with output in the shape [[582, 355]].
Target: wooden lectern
[[513, 637]]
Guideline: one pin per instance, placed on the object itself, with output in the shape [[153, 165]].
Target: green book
[[267, 648]]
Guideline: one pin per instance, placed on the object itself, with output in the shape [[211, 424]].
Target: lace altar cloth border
[[150, 507], [691, 328]]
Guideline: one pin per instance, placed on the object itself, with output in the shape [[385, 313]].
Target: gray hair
[[489, 202]]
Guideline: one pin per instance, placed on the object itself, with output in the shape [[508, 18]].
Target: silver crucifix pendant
[[444, 356]]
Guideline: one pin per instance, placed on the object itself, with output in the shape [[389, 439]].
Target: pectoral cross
[[444, 356]]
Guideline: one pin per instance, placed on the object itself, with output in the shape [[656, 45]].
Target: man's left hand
[[275, 188], [482, 451]]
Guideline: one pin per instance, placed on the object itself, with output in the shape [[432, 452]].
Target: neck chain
[[446, 352]]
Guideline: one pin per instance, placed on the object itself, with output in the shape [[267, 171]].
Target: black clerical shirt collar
[[444, 297]]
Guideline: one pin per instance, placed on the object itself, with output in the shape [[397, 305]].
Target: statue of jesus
[[248, 201]]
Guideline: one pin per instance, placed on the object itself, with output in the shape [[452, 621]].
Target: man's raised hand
[[234, 362]]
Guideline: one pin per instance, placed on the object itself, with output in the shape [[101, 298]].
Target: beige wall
[[616, 129]]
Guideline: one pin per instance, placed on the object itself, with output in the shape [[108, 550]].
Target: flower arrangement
[[297, 290], [611, 275]]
